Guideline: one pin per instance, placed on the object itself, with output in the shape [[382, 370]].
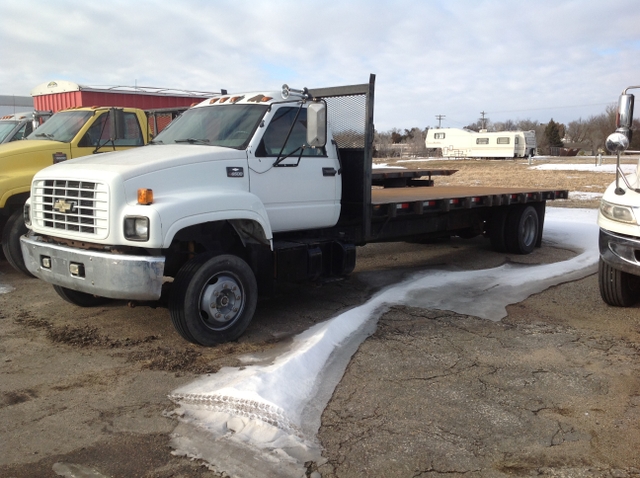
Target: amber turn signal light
[[145, 196]]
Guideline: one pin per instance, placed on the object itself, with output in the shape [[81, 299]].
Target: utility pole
[[440, 118], [483, 119]]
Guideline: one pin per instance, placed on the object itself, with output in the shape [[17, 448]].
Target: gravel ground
[[551, 390]]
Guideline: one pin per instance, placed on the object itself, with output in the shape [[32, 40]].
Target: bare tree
[[527, 125], [382, 142], [599, 127], [415, 141], [577, 132], [508, 125]]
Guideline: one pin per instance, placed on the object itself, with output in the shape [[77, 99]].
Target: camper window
[[482, 141], [438, 136], [503, 140]]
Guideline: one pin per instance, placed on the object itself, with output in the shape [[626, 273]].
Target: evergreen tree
[[552, 134]]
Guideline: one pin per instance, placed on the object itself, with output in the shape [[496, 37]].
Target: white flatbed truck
[[240, 192]]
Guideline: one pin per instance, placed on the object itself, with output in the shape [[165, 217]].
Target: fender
[[20, 161], [210, 206], [5, 199]]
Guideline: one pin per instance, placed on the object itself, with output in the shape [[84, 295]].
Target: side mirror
[[624, 116], [317, 124], [116, 123]]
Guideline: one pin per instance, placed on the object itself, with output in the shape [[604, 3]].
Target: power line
[[440, 118], [551, 108]]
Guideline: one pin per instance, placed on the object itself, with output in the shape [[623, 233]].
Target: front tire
[[617, 288], [81, 299], [13, 229], [213, 299]]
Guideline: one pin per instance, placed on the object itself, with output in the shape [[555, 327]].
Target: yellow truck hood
[[31, 146], [20, 160]]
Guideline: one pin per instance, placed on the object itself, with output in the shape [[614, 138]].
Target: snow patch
[[584, 196], [605, 168]]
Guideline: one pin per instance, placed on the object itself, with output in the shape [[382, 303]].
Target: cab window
[[100, 132], [23, 132], [274, 137]]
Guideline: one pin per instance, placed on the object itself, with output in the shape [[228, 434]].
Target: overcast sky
[[535, 59]]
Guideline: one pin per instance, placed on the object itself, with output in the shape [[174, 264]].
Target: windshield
[[6, 127], [62, 126], [231, 126]]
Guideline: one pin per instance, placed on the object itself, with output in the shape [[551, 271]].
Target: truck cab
[[619, 219], [298, 185], [18, 126], [66, 135]]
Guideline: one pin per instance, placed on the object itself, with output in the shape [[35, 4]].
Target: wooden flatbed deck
[[433, 193], [400, 178], [397, 193]]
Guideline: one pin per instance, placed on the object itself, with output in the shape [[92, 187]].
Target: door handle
[[329, 171]]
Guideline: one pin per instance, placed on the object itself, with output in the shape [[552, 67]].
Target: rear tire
[[13, 229], [521, 231], [497, 226], [213, 299], [81, 299], [617, 288]]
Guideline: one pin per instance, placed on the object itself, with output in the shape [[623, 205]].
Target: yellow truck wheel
[[13, 229]]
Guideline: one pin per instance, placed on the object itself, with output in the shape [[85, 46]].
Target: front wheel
[[213, 299], [81, 299], [13, 229], [617, 288]]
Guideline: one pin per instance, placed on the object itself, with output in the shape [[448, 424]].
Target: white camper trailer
[[464, 143]]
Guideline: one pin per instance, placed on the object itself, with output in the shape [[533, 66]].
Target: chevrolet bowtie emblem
[[64, 206]]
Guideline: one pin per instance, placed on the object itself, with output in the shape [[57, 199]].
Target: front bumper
[[116, 276], [620, 252]]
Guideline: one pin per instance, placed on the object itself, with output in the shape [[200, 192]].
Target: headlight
[[136, 228], [615, 212], [26, 212]]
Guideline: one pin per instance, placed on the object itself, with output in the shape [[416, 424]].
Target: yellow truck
[[66, 135]]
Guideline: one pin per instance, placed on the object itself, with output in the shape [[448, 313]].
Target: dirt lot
[[552, 390]]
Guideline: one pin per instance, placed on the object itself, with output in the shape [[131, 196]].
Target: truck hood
[[30, 146], [629, 198], [147, 159]]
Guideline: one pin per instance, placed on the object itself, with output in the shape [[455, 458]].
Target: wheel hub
[[222, 300], [529, 231]]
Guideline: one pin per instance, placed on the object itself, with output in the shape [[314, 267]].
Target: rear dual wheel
[[213, 299], [515, 229]]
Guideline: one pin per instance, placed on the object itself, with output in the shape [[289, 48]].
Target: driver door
[[300, 186]]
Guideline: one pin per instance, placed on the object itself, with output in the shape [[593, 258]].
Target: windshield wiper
[[153, 141], [192, 141], [46, 135]]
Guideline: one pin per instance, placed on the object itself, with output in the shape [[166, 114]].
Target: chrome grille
[[71, 205]]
